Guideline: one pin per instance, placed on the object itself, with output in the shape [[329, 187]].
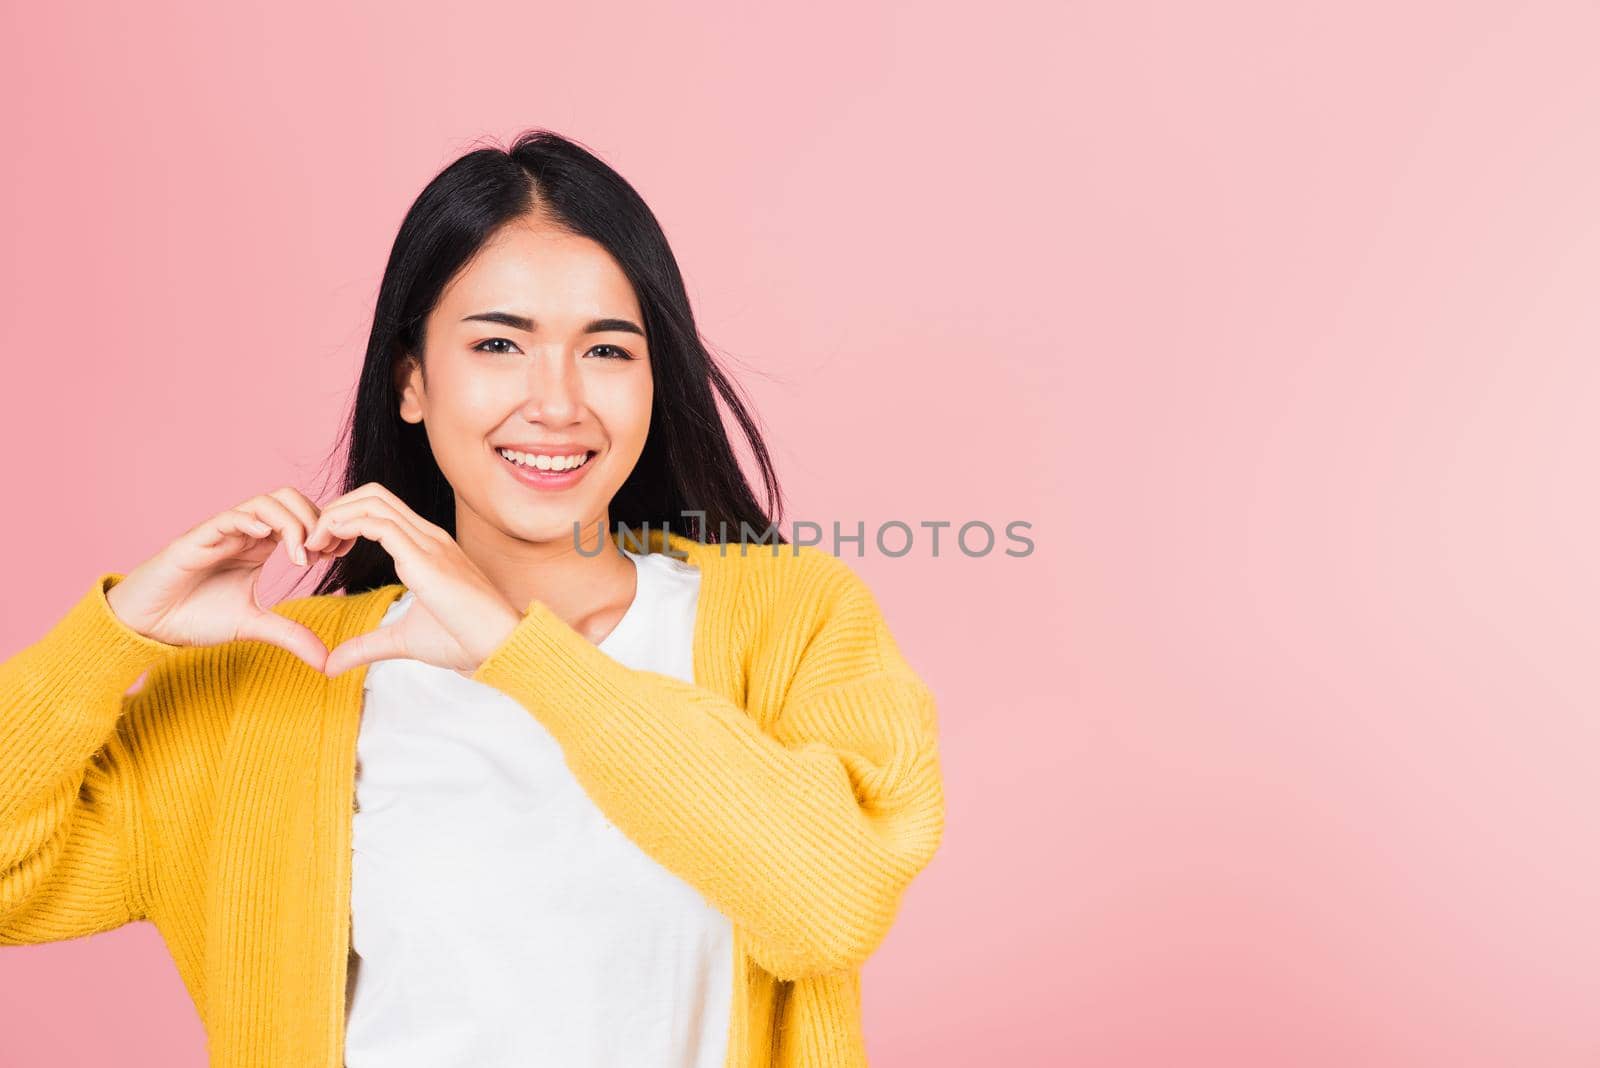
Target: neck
[[580, 579]]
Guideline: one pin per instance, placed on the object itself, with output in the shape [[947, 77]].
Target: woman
[[532, 777]]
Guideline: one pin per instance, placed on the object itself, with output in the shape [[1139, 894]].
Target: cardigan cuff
[[540, 653], [73, 679], [98, 647]]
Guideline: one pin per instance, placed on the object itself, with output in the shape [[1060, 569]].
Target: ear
[[408, 383]]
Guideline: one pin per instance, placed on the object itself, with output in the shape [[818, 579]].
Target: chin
[[545, 528]]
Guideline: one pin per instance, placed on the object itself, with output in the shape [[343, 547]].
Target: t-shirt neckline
[[643, 574]]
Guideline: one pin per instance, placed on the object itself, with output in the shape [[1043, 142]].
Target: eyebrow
[[528, 326]]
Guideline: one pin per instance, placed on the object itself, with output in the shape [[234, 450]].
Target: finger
[[297, 503], [430, 529], [317, 537], [381, 492], [285, 633], [376, 498], [371, 506], [396, 539], [291, 531], [337, 547], [287, 526], [232, 523], [367, 489], [231, 530], [323, 545], [381, 644]]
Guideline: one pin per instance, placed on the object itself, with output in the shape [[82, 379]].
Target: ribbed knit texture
[[796, 784]]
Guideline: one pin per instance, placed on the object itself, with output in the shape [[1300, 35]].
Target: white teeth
[[545, 463]]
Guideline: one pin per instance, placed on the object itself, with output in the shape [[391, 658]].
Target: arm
[[67, 828], [804, 834]]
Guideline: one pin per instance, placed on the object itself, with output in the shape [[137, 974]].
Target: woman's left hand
[[457, 617]]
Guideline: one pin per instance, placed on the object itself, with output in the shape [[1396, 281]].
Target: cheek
[[624, 407], [461, 412], [643, 397], [466, 403]]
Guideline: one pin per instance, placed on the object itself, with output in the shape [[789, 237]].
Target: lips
[[548, 479]]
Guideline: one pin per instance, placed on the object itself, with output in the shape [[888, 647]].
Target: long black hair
[[688, 464]]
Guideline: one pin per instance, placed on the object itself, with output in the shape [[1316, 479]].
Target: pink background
[[1277, 321]]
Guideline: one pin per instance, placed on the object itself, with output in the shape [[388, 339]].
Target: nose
[[554, 392]]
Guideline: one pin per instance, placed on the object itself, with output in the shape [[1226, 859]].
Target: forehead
[[543, 272]]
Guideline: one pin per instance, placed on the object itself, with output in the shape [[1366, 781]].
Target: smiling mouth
[[553, 465]]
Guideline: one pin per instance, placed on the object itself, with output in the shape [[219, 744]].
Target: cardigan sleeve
[[67, 835], [804, 834]]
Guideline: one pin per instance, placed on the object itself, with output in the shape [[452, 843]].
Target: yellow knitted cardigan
[[796, 785]]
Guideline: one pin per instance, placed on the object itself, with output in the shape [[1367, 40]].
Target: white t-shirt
[[497, 917]]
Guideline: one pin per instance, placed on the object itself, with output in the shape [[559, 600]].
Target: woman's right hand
[[201, 588]]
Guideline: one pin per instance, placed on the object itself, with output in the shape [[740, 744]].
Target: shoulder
[[762, 571], [807, 600], [785, 575], [817, 627]]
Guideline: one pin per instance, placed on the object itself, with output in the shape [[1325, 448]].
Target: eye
[[619, 353], [479, 347]]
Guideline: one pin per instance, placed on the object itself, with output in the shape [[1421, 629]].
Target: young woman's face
[[536, 346]]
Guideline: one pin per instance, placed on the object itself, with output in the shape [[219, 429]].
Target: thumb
[[381, 644], [285, 633]]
